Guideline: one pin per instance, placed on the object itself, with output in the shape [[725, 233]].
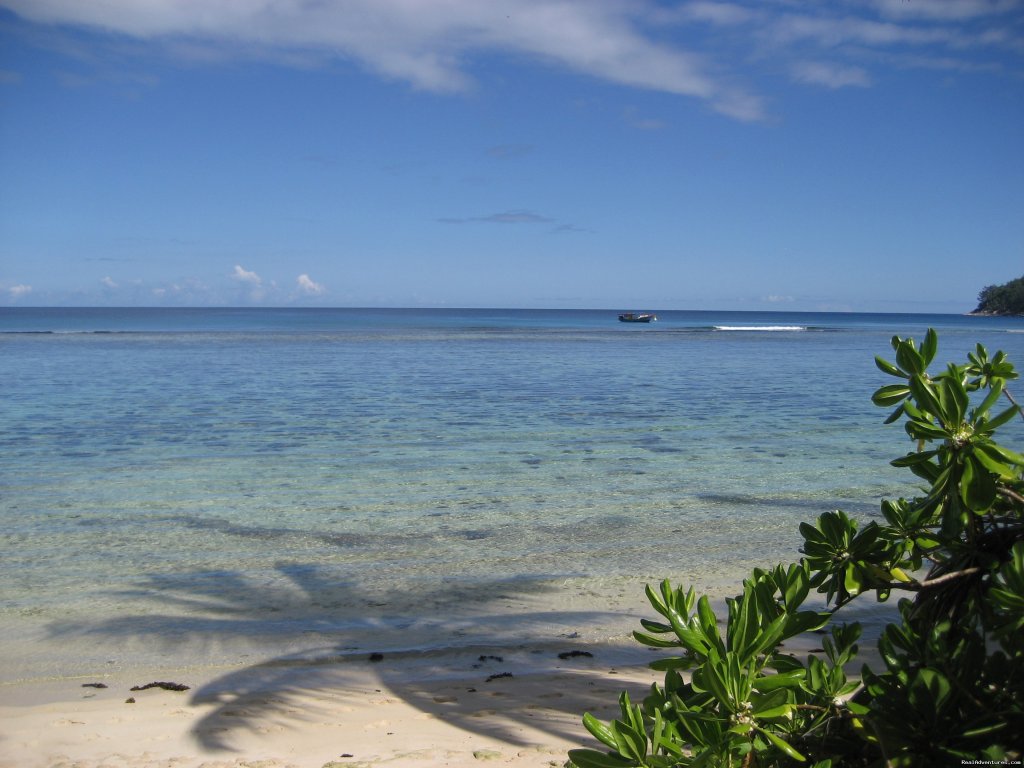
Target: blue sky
[[854, 155]]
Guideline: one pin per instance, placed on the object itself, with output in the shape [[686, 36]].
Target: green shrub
[[953, 684]]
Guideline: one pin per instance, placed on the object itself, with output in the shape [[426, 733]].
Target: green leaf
[[654, 642], [676, 662], [1004, 454], [914, 412], [890, 394], [789, 679], [741, 620], [1002, 418], [709, 677], [805, 621], [589, 758], [955, 397], [836, 526], [908, 358], [782, 745], [977, 488], [985, 730], [708, 621], [655, 626], [853, 580], [630, 743], [927, 397], [929, 346], [655, 599], [925, 430], [810, 533], [770, 701], [1007, 601], [767, 638], [783, 710], [928, 691], [913, 459], [991, 461], [886, 367], [995, 391], [599, 730], [897, 414]]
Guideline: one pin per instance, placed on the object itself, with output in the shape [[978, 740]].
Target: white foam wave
[[760, 327]]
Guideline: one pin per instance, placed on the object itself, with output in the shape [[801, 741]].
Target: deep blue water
[[264, 320], [178, 481]]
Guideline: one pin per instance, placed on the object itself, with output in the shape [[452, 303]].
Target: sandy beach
[[514, 705], [515, 709], [513, 693]]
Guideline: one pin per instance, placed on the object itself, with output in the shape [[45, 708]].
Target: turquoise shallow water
[[198, 485]]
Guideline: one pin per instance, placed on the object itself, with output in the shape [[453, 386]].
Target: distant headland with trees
[[1006, 299]]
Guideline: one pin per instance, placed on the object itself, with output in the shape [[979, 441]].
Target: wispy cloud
[[435, 45], [253, 283], [245, 276], [308, 287], [506, 217], [570, 228], [430, 44], [510, 150], [719, 13], [239, 285], [850, 42], [830, 75], [634, 119], [19, 291], [945, 10]]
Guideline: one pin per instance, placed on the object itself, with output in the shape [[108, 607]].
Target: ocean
[[228, 486]]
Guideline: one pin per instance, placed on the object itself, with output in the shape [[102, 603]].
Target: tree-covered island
[[1006, 299]]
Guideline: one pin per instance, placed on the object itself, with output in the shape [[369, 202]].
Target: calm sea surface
[[202, 484]]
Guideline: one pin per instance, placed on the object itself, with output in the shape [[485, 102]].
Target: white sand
[[318, 716], [413, 709]]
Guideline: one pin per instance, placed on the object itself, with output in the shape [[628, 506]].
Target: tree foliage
[[1006, 299], [952, 687]]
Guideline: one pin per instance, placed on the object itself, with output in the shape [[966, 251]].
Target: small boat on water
[[637, 317]]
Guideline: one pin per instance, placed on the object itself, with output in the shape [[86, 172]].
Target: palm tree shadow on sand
[[344, 645]]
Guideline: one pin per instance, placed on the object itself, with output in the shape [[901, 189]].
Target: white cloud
[[830, 32], [724, 14], [253, 283], [108, 282], [633, 118], [308, 287], [427, 43], [505, 217], [433, 45], [945, 10], [830, 75], [245, 276], [17, 291]]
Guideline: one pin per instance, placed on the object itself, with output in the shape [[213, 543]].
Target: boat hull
[[636, 317]]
